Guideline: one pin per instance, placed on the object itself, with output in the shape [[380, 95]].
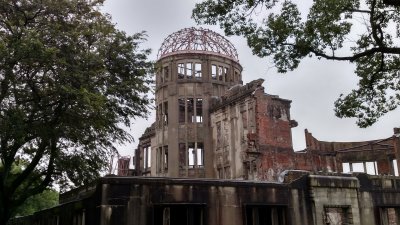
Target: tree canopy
[[68, 81], [363, 32]]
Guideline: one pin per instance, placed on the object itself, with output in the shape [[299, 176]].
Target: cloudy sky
[[313, 87]]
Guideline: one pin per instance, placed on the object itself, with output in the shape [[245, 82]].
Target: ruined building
[[220, 153], [209, 125]]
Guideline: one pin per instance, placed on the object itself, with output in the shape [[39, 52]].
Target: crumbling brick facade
[[251, 133], [252, 140]]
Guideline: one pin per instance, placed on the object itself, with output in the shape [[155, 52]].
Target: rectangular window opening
[[226, 74], [190, 110], [159, 160], [199, 110], [166, 73], [189, 70], [183, 214], [390, 216], [395, 168], [220, 73], [346, 167], [195, 152], [213, 72], [166, 157], [165, 113], [258, 215], [147, 157], [358, 167], [182, 155], [200, 154], [197, 67], [361, 167], [181, 103], [191, 154], [336, 215], [158, 114], [181, 71], [162, 159], [371, 168]]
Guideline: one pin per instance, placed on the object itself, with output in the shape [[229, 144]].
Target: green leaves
[[47, 199], [68, 80], [364, 32]]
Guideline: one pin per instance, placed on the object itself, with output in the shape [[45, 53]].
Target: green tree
[[68, 81], [363, 32], [47, 199]]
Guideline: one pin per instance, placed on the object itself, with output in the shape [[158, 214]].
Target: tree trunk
[[4, 215]]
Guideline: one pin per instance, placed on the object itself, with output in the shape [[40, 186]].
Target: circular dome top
[[197, 40]]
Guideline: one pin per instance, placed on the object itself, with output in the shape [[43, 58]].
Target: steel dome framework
[[197, 40]]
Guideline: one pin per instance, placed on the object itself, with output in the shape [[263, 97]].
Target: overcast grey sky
[[313, 87]]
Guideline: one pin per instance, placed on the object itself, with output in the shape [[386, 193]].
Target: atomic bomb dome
[[197, 40]]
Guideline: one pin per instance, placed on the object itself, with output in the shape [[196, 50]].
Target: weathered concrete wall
[[221, 201], [230, 127], [367, 211], [300, 199], [334, 192], [177, 83]]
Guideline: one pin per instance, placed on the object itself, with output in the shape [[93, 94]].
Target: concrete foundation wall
[[300, 198]]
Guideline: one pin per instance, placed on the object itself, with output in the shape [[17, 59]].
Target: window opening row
[[363, 167], [189, 70], [190, 110], [192, 214], [191, 155], [183, 214], [220, 73], [257, 215]]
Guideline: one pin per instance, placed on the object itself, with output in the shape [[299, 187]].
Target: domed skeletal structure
[[197, 40]]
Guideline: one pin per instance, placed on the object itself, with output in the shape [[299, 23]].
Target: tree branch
[[391, 2], [29, 169], [357, 55], [4, 85], [358, 11], [29, 191], [374, 26]]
